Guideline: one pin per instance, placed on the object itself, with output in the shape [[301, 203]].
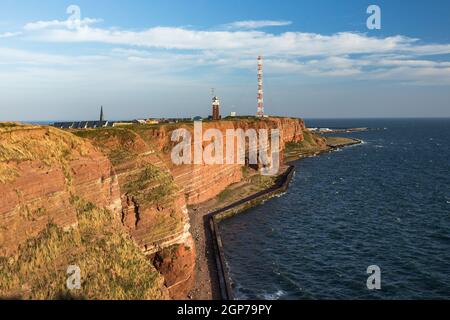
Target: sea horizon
[[300, 117]]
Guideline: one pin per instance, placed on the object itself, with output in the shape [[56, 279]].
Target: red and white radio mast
[[260, 112]]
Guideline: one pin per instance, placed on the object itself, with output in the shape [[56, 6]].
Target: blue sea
[[385, 202]]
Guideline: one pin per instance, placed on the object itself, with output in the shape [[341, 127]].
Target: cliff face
[[126, 170], [40, 169], [153, 210], [61, 206], [199, 183]]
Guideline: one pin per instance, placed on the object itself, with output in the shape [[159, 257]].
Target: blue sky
[[161, 58]]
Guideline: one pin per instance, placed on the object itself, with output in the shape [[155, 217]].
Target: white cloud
[[11, 56], [39, 25], [294, 44], [414, 75], [256, 24], [159, 49], [9, 34]]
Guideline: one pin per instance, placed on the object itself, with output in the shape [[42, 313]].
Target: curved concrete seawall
[[227, 212], [230, 211]]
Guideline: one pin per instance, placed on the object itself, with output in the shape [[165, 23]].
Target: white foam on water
[[274, 296]]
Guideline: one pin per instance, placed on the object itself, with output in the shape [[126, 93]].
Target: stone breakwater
[[126, 170]]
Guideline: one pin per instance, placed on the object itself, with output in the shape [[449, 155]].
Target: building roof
[[83, 124]]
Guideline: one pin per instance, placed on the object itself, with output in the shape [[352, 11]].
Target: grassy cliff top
[[51, 146], [22, 143], [119, 144]]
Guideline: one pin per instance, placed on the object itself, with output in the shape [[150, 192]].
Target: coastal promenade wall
[[230, 211], [280, 186]]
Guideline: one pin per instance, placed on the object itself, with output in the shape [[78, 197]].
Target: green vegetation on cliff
[[312, 143], [112, 266], [144, 180], [117, 143], [150, 185]]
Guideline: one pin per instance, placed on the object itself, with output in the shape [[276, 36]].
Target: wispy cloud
[[11, 56], [9, 34], [39, 25], [298, 44], [256, 24], [343, 54]]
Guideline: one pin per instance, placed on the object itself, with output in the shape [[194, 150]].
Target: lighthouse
[[215, 108]]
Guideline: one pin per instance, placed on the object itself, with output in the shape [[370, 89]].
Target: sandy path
[[206, 285]]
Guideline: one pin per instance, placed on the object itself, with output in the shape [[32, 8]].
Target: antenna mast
[[260, 112]]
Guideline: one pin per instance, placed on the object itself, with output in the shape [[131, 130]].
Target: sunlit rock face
[[41, 170], [128, 171]]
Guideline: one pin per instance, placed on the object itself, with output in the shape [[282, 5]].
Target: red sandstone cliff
[[199, 183], [153, 210], [40, 168], [130, 172]]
